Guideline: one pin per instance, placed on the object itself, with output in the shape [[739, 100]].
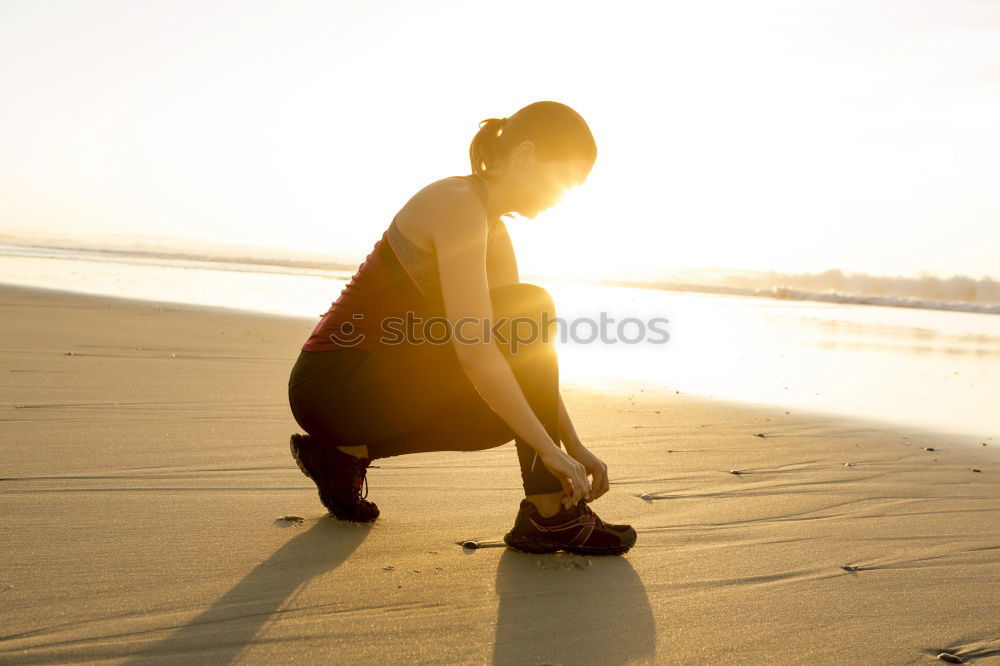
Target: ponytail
[[484, 150]]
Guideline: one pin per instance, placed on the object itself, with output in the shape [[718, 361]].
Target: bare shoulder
[[446, 193], [442, 207]]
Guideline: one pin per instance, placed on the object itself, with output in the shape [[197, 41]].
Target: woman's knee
[[522, 298], [525, 314]]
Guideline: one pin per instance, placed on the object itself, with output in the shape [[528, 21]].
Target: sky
[[786, 135]]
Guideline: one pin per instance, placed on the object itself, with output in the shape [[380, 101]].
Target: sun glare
[[581, 237]]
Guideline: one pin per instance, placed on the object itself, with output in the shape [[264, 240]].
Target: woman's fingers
[[605, 484], [575, 480], [567, 484], [600, 483], [570, 498], [581, 485]]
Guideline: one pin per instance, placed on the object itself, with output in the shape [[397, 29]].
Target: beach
[[146, 474]]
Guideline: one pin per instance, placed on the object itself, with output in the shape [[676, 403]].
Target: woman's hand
[[571, 474], [595, 467]]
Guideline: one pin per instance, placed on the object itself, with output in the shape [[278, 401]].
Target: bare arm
[[460, 242], [501, 265], [594, 465]]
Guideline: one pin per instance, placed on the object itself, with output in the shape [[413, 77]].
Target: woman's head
[[538, 153]]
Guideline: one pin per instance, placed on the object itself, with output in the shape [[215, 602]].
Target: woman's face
[[543, 183]]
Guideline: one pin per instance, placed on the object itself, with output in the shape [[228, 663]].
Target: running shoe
[[576, 530], [340, 478]]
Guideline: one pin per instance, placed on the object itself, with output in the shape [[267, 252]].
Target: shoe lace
[[361, 477], [585, 508]]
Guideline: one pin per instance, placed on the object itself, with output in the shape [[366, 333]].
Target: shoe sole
[[541, 547], [351, 519]]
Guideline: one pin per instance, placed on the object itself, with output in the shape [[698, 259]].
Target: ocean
[[916, 367]]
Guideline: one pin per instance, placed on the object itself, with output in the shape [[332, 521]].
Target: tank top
[[396, 277]]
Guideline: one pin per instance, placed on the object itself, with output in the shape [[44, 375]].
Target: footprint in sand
[[561, 563], [289, 521]]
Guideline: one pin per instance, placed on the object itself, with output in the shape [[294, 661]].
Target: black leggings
[[411, 398]]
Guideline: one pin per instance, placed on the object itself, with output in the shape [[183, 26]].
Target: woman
[[435, 344]]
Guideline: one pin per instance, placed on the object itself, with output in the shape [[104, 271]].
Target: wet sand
[[146, 469]]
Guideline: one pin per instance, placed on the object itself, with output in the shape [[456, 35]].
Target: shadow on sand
[[220, 633], [558, 609]]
